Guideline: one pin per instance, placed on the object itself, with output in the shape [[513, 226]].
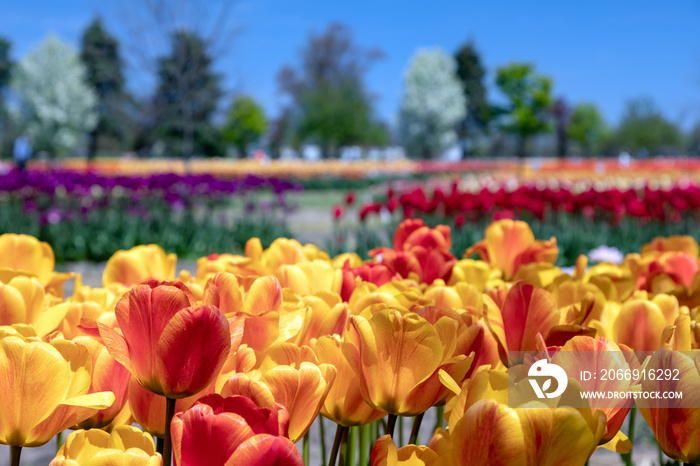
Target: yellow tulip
[[126, 446], [44, 389], [138, 264]]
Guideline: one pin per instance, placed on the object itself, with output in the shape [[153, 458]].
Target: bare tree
[[149, 28]]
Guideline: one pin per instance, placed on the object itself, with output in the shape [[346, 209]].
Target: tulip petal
[[191, 350], [268, 450]]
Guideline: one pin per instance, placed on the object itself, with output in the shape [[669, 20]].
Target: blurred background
[[198, 124]]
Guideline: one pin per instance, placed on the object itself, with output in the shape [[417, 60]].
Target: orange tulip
[[44, 389], [509, 244], [675, 243], [148, 409], [232, 431], [139, 264], [385, 453], [483, 429], [107, 375], [124, 446], [527, 312], [172, 347], [344, 404], [675, 422], [639, 325], [397, 358]]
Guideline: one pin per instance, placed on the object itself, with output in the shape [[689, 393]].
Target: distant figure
[[22, 151]]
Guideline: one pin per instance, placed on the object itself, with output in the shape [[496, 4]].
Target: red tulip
[[172, 347], [232, 431]]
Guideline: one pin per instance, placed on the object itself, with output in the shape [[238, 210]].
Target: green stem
[[305, 449], [15, 453], [344, 446], [390, 424], [440, 413], [352, 446], [627, 457], [59, 441], [416, 429], [364, 444], [323, 440], [400, 432], [339, 432], [167, 442]]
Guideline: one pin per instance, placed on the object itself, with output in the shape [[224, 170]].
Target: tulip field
[[258, 358]]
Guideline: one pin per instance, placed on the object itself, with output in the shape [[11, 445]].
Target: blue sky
[[600, 52]]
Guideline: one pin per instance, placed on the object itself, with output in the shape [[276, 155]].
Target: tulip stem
[[400, 431], [323, 440], [627, 457], [440, 413], [352, 446], [415, 429], [15, 453], [364, 443], [159, 445], [390, 424], [339, 432], [59, 441], [305, 449], [344, 447], [167, 443]]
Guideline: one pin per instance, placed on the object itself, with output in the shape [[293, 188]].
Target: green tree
[[471, 74], [100, 54], [530, 102], [330, 105], [5, 73], [432, 105], [56, 105], [187, 97], [245, 123], [644, 128], [587, 127]]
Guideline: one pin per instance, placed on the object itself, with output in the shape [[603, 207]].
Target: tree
[[471, 75], [587, 127], [187, 95], [5, 70], [100, 54], [644, 128], [562, 115], [245, 124], [530, 100], [329, 103], [56, 106], [198, 33], [432, 105]]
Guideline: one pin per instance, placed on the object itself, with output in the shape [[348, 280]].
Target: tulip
[[148, 409], [107, 375], [22, 302], [509, 244], [43, 390], [372, 272], [139, 264], [397, 358], [27, 254], [124, 446], [310, 277], [232, 431], [172, 347], [385, 453], [639, 325], [483, 429], [675, 422], [674, 243], [344, 404]]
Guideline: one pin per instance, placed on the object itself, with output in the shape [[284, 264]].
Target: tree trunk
[[92, 146], [187, 135]]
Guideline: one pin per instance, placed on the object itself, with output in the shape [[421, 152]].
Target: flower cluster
[[234, 363], [610, 203]]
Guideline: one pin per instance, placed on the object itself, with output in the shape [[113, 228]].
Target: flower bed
[[234, 364], [89, 216]]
